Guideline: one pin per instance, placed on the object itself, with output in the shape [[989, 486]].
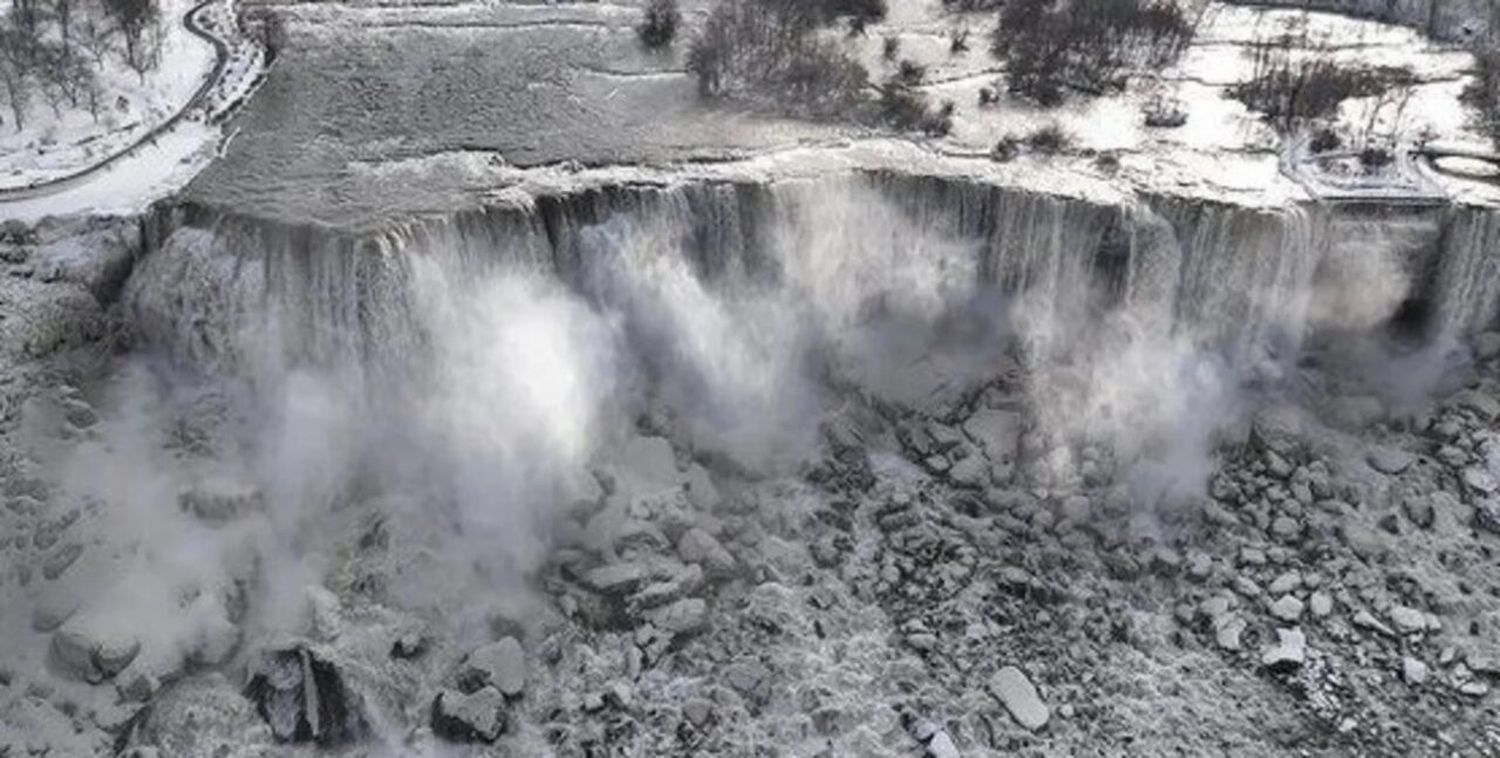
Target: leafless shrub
[[1050, 47], [1165, 113], [659, 27], [1006, 149], [776, 54], [1294, 82], [972, 5], [906, 109], [1325, 141], [958, 41], [1376, 158], [1483, 93], [910, 73], [1049, 139], [768, 52], [891, 48]]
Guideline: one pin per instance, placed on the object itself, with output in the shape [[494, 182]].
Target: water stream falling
[[468, 372]]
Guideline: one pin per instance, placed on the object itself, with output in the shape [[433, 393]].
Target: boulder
[[1408, 620], [1227, 631], [617, 578], [60, 560], [699, 547], [87, 648], [682, 617], [1289, 652], [1278, 428], [304, 698], [1019, 696], [1419, 510], [501, 664], [56, 605], [474, 717], [972, 472], [701, 490], [1389, 460], [648, 465], [1287, 608], [1413, 671], [941, 746], [996, 432], [1480, 480], [1479, 403]]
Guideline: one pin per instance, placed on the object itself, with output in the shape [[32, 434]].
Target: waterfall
[[223, 291], [1466, 291]]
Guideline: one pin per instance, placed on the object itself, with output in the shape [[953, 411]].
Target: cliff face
[[219, 284]]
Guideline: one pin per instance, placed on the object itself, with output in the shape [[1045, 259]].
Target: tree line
[[52, 51]]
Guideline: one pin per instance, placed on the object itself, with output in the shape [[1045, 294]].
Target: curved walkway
[[64, 183]]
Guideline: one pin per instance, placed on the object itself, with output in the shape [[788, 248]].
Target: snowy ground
[[156, 168], [467, 80], [53, 145]]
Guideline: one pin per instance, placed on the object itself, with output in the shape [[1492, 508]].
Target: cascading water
[[1467, 287], [468, 385], [468, 372], [728, 298]]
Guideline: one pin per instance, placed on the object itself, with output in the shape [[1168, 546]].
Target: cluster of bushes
[[781, 55], [1483, 94], [659, 27], [1048, 139], [54, 49], [1294, 83], [903, 107], [1050, 47], [769, 53], [972, 5]]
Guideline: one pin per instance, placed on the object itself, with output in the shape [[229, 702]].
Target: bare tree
[[94, 34], [63, 9], [15, 71], [140, 25]]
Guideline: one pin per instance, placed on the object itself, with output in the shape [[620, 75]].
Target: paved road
[[64, 183]]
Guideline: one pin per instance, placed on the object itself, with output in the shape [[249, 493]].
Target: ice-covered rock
[[501, 664], [997, 432], [700, 488], [474, 717], [682, 617], [1481, 404], [648, 465], [1413, 671], [941, 746], [1408, 620], [90, 648], [55, 605], [1019, 696], [304, 698], [699, 547], [200, 716], [1287, 608], [1289, 652], [1389, 460]]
